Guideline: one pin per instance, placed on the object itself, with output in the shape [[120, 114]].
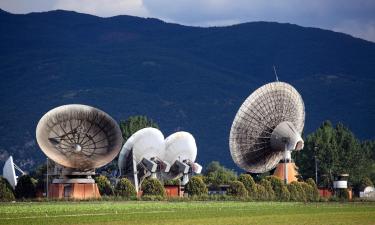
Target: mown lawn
[[186, 213]]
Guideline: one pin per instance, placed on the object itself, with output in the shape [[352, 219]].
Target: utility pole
[[316, 165]]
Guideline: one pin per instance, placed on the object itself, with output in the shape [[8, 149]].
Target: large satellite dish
[[79, 136], [267, 127]]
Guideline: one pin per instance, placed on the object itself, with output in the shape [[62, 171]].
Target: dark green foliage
[[40, 175], [125, 188], [338, 151], [249, 183], [26, 187], [261, 192], [134, 124], [6, 191], [342, 194], [297, 193], [309, 191], [237, 188], [281, 191], [196, 186], [105, 187], [153, 187], [172, 182], [269, 193], [365, 183], [315, 191], [216, 174]]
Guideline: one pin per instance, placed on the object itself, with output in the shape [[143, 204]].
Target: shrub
[[153, 187], [315, 191], [281, 192], [6, 190], [261, 192], [269, 194], [237, 188], [309, 191], [125, 188], [196, 186], [172, 182], [104, 185], [250, 185], [297, 193], [294, 194], [26, 187]]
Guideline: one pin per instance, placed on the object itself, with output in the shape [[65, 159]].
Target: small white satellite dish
[[180, 153], [141, 155], [9, 172], [146, 153]]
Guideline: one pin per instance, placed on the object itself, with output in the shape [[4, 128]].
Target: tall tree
[[135, 123], [337, 151]]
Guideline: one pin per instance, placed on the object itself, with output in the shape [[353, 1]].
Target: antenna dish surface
[[79, 136], [256, 120], [180, 146]]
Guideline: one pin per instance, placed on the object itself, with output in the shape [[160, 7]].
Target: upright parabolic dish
[[79, 136], [253, 135]]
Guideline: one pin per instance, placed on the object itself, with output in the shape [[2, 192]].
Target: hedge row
[[270, 188]]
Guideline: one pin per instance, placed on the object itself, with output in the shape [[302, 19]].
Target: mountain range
[[184, 78]]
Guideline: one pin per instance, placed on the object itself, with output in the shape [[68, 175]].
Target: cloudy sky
[[355, 17]]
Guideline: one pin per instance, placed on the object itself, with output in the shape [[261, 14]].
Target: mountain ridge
[[185, 78]]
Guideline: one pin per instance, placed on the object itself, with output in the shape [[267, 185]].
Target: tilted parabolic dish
[[180, 153], [146, 153], [79, 136], [267, 127]]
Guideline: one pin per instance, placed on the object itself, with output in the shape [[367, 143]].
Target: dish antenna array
[[79, 138], [266, 128], [147, 154], [9, 172]]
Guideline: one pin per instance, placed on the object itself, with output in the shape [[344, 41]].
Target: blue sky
[[354, 17]]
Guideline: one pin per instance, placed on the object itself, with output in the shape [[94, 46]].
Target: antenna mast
[[274, 70]]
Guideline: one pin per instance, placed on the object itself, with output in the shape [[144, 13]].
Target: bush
[[309, 191], [269, 194], [261, 192], [153, 186], [237, 188], [216, 175], [26, 187], [196, 186], [296, 192], [250, 185], [281, 192], [104, 185], [172, 182], [6, 191], [125, 188], [315, 191]]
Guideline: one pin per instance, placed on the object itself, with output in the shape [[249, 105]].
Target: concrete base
[[292, 171], [73, 190]]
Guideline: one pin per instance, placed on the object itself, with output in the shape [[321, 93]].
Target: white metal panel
[[180, 146], [9, 172]]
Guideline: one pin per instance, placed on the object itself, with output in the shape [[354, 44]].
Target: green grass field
[[186, 213]]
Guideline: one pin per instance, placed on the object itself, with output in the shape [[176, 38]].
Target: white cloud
[[104, 8], [365, 30]]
